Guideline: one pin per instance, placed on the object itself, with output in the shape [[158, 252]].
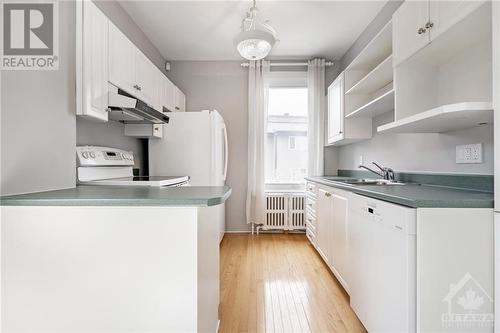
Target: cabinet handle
[[421, 31], [429, 25]]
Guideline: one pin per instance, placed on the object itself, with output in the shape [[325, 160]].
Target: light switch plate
[[472, 153]]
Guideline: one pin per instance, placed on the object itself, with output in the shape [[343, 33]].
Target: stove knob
[[85, 154], [92, 154]]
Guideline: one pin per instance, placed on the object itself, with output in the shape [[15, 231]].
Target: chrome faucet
[[386, 173]]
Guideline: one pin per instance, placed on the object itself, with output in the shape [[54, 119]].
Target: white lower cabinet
[[406, 269], [331, 231]]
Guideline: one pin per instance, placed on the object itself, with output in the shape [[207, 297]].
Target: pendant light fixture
[[256, 38]]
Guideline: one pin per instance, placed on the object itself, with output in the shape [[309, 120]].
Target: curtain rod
[[288, 64]]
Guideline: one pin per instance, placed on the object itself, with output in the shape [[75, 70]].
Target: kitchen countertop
[[194, 196], [415, 195]]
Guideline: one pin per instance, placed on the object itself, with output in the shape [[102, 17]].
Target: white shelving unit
[[369, 79], [447, 84], [375, 107], [375, 51], [376, 79], [443, 119]]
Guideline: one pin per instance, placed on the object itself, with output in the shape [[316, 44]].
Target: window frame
[[283, 80]]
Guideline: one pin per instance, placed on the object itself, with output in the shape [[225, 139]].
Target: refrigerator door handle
[[226, 151]]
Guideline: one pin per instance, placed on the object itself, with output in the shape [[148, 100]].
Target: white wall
[[419, 152], [222, 85], [407, 152], [38, 120]]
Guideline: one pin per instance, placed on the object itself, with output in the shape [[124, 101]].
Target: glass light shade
[[254, 44]]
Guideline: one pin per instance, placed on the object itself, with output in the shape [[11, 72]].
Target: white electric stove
[[114, 167]]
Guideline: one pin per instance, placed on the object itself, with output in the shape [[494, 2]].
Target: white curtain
[[255, 205], [316, 116]]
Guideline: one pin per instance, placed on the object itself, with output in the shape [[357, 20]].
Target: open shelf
[[375, 107], [379, 77], [445, 118], [377, 50]]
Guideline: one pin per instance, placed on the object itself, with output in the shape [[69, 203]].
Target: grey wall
[[407, 152], [111, 133], [38, 120], [222, 86]]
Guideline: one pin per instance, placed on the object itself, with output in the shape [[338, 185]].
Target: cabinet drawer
[[311, 221], [311, 190], [311, 236], [311, 204]]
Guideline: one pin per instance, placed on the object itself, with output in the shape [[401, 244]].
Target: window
[[286, 135]]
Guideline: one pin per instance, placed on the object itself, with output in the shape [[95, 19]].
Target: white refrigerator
[[193, 144]]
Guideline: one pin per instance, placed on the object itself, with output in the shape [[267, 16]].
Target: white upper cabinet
[[122, 58], [444, 14], [92, 62], [131, 70], [447, 84], [105, 55], [409, 31], [167, 93], [179, 100], [336, 110], [145, 78], [341, 131], [417, 23]]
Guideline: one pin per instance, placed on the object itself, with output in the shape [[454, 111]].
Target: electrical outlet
[[472, 153]]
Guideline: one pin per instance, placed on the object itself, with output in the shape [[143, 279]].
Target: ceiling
[[204, 30]]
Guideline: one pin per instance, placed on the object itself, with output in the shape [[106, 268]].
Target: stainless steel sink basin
[[379, 182]]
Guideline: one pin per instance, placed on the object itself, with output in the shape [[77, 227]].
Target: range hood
[[128, 109]]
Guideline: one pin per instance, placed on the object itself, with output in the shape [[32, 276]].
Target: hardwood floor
[[278, 283]]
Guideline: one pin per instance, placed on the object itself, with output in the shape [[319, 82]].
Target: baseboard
[[268, 232]]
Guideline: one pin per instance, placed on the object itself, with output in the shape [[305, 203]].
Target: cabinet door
[[92, 62], [145, 77], [336, 110], [180, 100], [339, 238], [324, 224], [121, 60], [168, 94], [410, 17], [444, 14]]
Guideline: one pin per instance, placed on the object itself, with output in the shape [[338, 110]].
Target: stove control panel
[[103, 156]]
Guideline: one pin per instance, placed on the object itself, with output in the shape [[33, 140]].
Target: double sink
[[372, 182]]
